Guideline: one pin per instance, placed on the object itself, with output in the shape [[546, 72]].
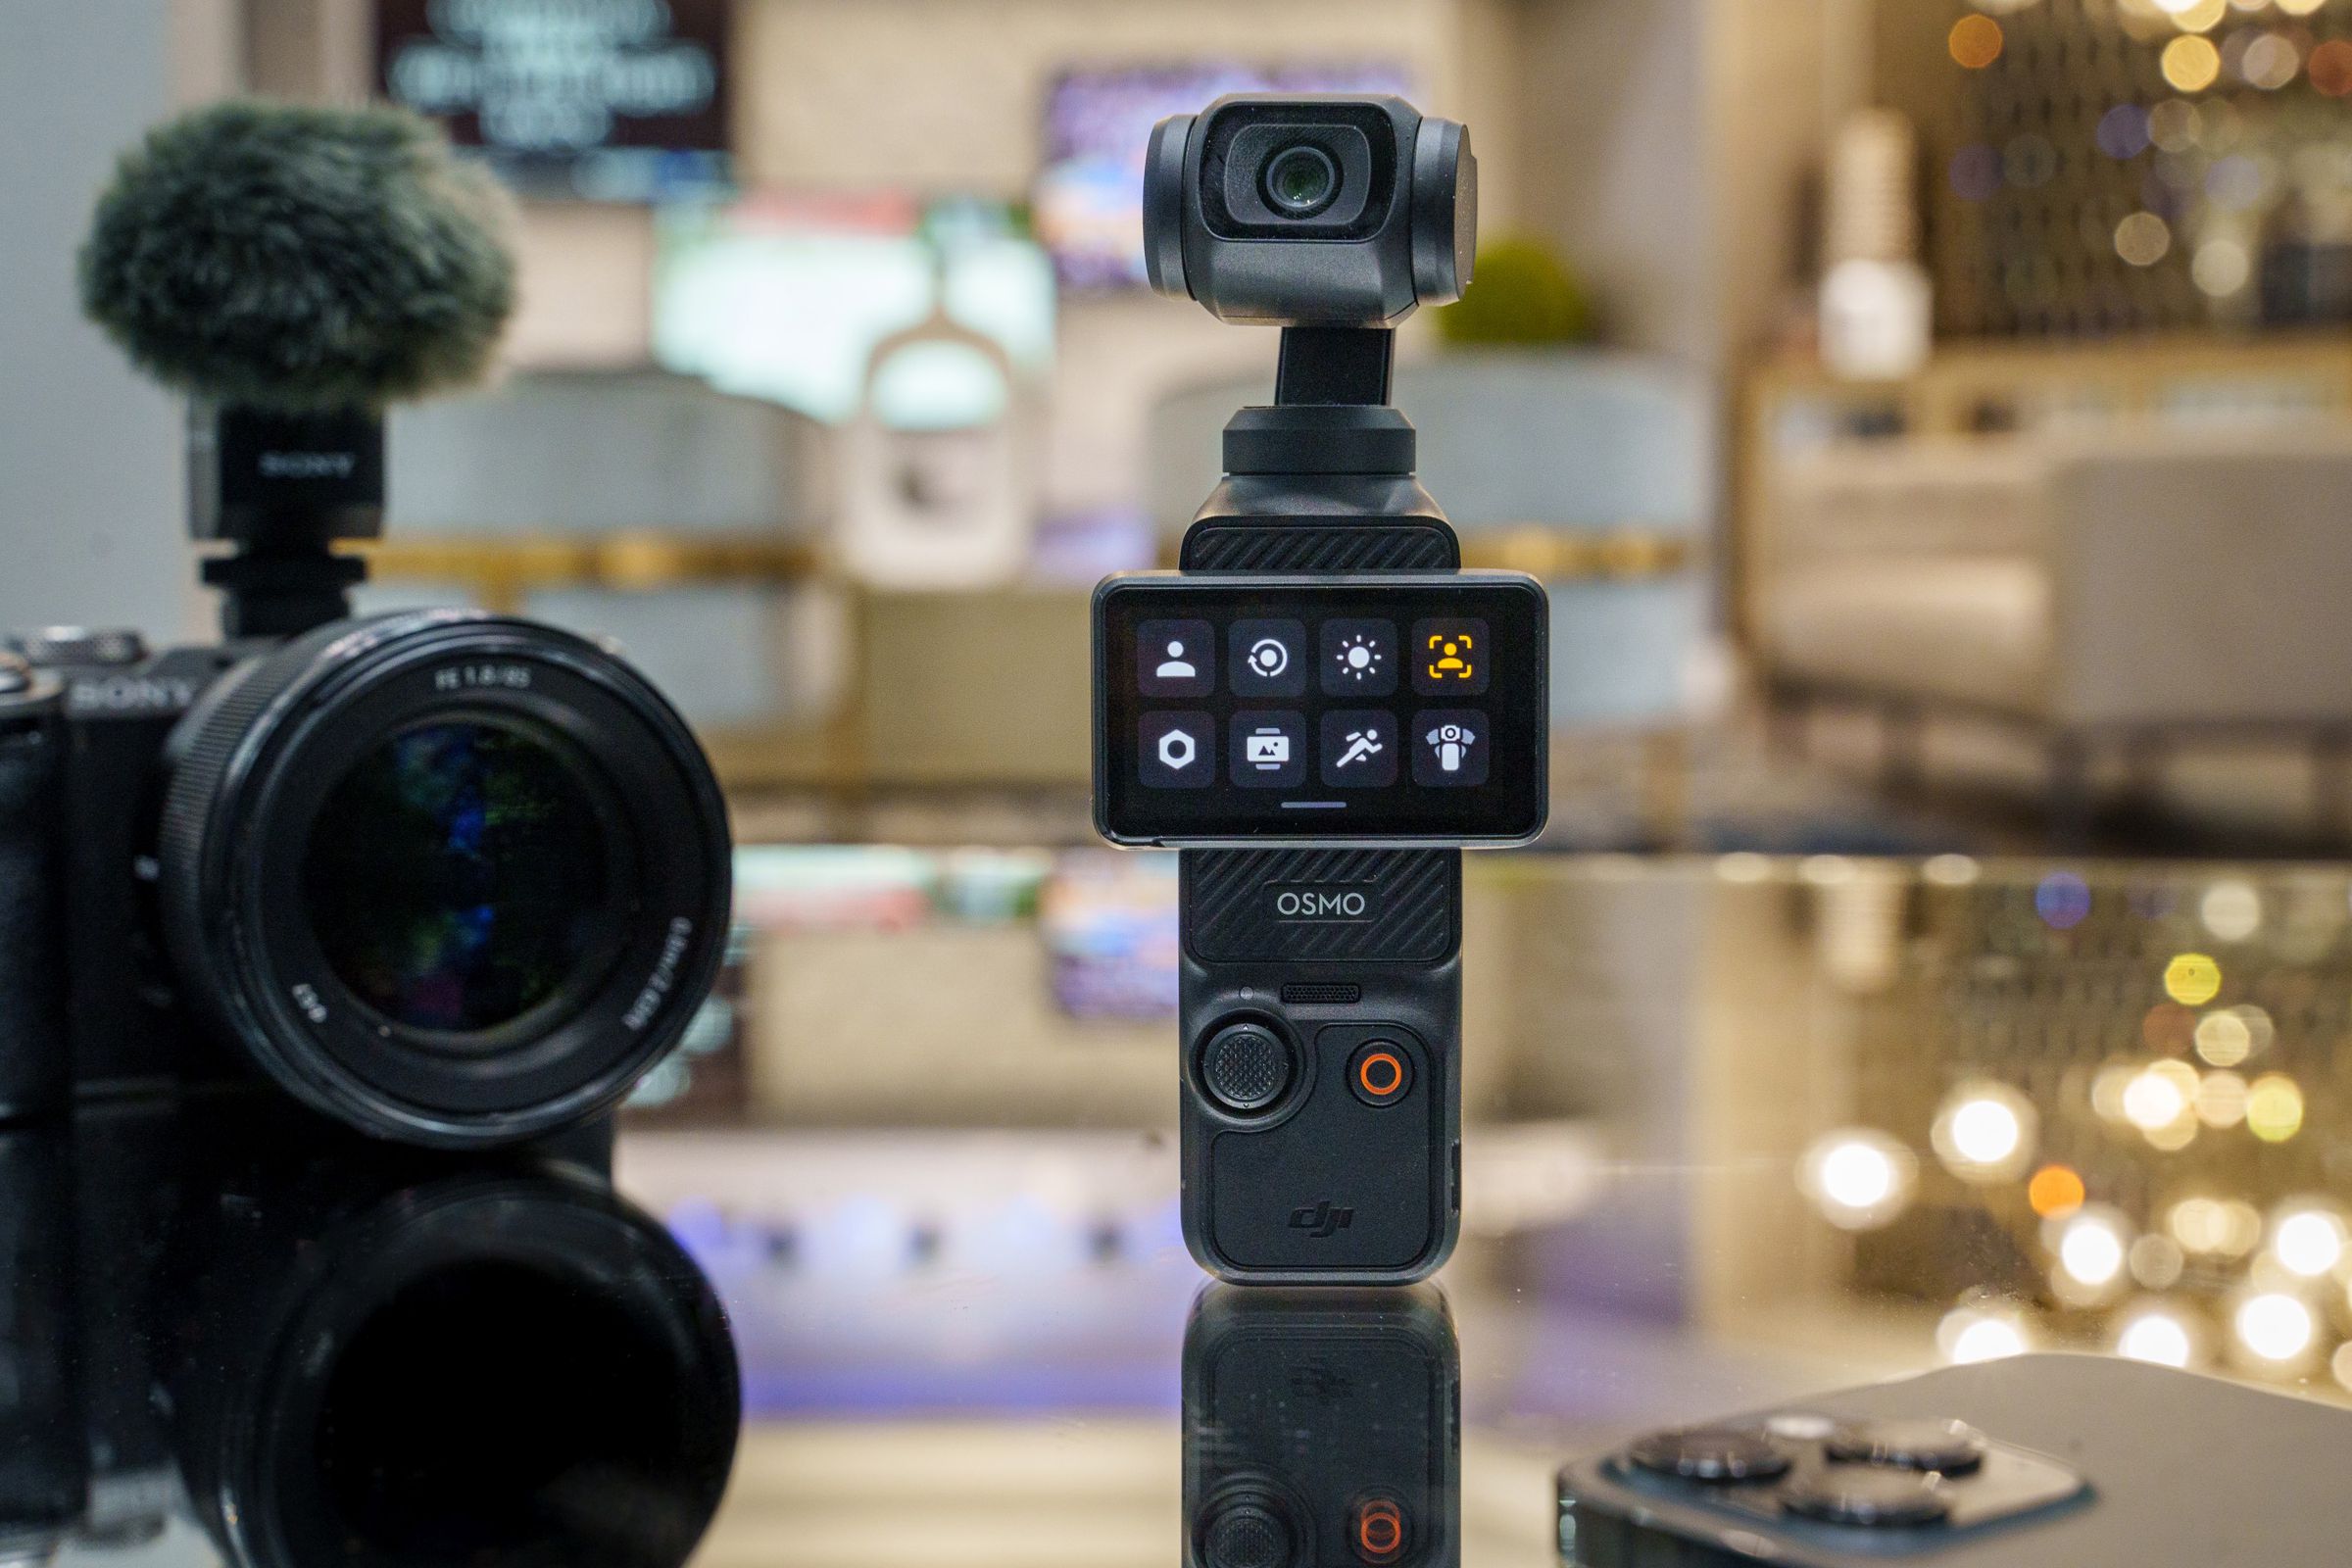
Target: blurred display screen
[[1110, 921], [785, 298], [610, 100], [1090, 195]]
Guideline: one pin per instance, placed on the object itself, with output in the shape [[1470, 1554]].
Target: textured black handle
[[1335, 949], [35, 1063]]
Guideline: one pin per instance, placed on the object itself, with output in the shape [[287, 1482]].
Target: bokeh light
[[1858, 1177], [2142, 239], [2222, 266], [2192, 979], [2107, 1088], [2308, 1240], [2274, 1107], [2168, 1029], [1984, 1133], [2055, 1190], [1951, 870], [2161, 1097], [2207, 1227], [1972, 1334], [2275, 1329], [2157, 1261], [2195, 16], [2224, 1038], [2158, 1333], [2270, 62], [2331, 68], [2093, 1247], [2190, 63], [2174, 126], [1975, 41], [2123, 131], [2231, 911], [2221, 1100], [2062, 900]]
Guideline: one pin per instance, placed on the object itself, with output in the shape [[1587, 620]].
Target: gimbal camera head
[[1384, 201], [1330, 217]]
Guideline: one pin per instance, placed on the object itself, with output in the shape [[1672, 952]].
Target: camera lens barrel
[[452, 878]]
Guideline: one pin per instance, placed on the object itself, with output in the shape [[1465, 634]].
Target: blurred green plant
[[1522, 295]]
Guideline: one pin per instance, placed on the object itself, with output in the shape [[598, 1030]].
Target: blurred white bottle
[[938, 474], [1877, 308]]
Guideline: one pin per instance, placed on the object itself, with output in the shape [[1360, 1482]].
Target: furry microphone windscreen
[[297, 259]]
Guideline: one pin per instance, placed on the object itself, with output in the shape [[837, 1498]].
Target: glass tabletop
[[884, 1267]]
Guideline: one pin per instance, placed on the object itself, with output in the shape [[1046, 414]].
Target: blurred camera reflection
[[318, 1349], [1321, 1426]]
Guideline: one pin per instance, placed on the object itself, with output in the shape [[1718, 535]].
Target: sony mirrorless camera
[[449, 877], [1320, 708], [452, 878]]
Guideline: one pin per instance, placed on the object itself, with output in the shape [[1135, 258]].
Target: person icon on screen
[[1177, 668]]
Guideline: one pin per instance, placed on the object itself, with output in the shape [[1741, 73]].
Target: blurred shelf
[[500, 572]]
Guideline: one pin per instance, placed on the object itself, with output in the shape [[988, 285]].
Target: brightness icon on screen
[[1358, 658]]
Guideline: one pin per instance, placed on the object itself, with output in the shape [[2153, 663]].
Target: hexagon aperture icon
[[1178, 749]]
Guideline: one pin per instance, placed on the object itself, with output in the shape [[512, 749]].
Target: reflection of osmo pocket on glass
[[1321, 1426], [1353, 709]]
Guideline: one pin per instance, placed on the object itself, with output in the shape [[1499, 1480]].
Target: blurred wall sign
[[610, 100]]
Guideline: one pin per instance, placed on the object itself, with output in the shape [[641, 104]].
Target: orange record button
[[1380, 1074], [1379, 1531]]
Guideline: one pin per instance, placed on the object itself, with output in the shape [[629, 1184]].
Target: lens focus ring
[[540, 997]]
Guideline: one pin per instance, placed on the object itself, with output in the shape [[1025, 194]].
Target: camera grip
[[1320, 1010], [35, 1064]]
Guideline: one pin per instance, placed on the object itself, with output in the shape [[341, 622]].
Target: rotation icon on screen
[[1269, 657]]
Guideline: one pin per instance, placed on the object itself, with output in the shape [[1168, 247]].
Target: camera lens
[[1713, 1455], [1301, 181], [455, 879], [1947, 1447], [1870, 1499]]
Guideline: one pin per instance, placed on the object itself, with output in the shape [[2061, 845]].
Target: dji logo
[[1320, 1383], [307, 465], [1293, 904], [1322, 1220]]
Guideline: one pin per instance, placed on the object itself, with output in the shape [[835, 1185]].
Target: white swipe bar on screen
[[1314, 805]]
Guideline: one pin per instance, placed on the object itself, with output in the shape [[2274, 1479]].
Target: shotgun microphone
[[292, 269]]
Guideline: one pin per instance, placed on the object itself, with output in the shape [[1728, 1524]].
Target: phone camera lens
[[1711, 1454], [1301, 181], [1946, 1447], [1868, 1499]]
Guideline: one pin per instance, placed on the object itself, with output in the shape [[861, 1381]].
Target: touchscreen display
[[1387, 708]]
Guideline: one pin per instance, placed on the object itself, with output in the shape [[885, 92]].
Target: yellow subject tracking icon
[[1451, 657]]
